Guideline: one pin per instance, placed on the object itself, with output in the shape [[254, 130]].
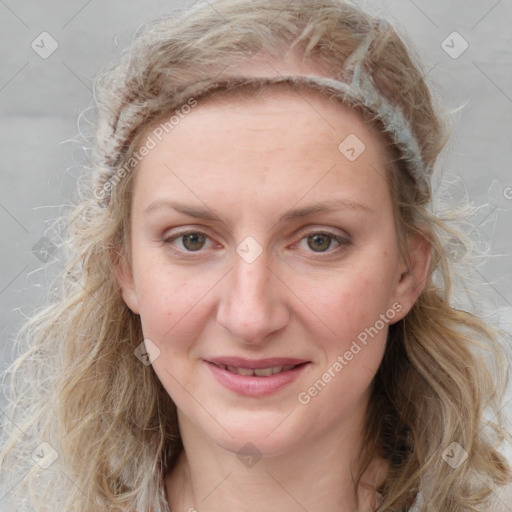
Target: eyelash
[[342, 241]]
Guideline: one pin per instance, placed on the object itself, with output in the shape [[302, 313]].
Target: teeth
[[260, 372], [241, 371], [264, 372]]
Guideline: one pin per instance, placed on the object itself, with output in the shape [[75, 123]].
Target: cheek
[[164, 299], [350, 300], [174, 303], [354, 305]]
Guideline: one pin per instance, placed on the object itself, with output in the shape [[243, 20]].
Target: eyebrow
[[298, 213]]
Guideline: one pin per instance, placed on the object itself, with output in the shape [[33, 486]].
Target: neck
[[318, 475]]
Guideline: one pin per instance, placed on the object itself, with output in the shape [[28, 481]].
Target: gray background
[[41, 99]]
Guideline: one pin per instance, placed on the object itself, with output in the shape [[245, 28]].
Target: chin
[[265, 434]]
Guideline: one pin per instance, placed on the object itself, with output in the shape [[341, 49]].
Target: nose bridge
[[251, 306], [250, 281]]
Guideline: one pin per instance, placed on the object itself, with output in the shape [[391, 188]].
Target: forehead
[[320, 111], [282, 138], [320, 120]]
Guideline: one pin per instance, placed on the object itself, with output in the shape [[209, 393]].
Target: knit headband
[[358, 91]]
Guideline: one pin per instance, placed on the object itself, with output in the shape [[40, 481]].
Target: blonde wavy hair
[[78, 385]]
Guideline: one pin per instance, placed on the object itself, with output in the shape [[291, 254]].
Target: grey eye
[[193, 241], [319, 242]]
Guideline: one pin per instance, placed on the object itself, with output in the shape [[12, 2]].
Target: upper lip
[[255, 364]]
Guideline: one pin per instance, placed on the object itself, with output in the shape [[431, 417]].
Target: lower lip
[[255, 386]]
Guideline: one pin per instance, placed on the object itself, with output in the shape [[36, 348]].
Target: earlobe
[[413, 274], [124, 277]]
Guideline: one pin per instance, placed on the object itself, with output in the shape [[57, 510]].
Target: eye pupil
[[193, 241], [319, 241]]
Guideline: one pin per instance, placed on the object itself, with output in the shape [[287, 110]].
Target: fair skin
[[307, 296]]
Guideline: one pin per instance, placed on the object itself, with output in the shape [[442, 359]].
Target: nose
[[253, 303]]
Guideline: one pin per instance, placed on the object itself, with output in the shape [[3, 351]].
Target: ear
[[412, 274], [124, 277]]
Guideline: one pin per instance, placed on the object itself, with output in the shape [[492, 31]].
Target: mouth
[[256, 377], [258, 372]]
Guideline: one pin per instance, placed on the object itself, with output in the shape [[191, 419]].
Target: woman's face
[[265, 267]]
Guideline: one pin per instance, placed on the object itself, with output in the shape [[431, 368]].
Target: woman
[[257, 311]]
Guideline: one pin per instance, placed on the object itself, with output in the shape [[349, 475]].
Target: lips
[[256, 364], [255, 378], [258, 372]]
